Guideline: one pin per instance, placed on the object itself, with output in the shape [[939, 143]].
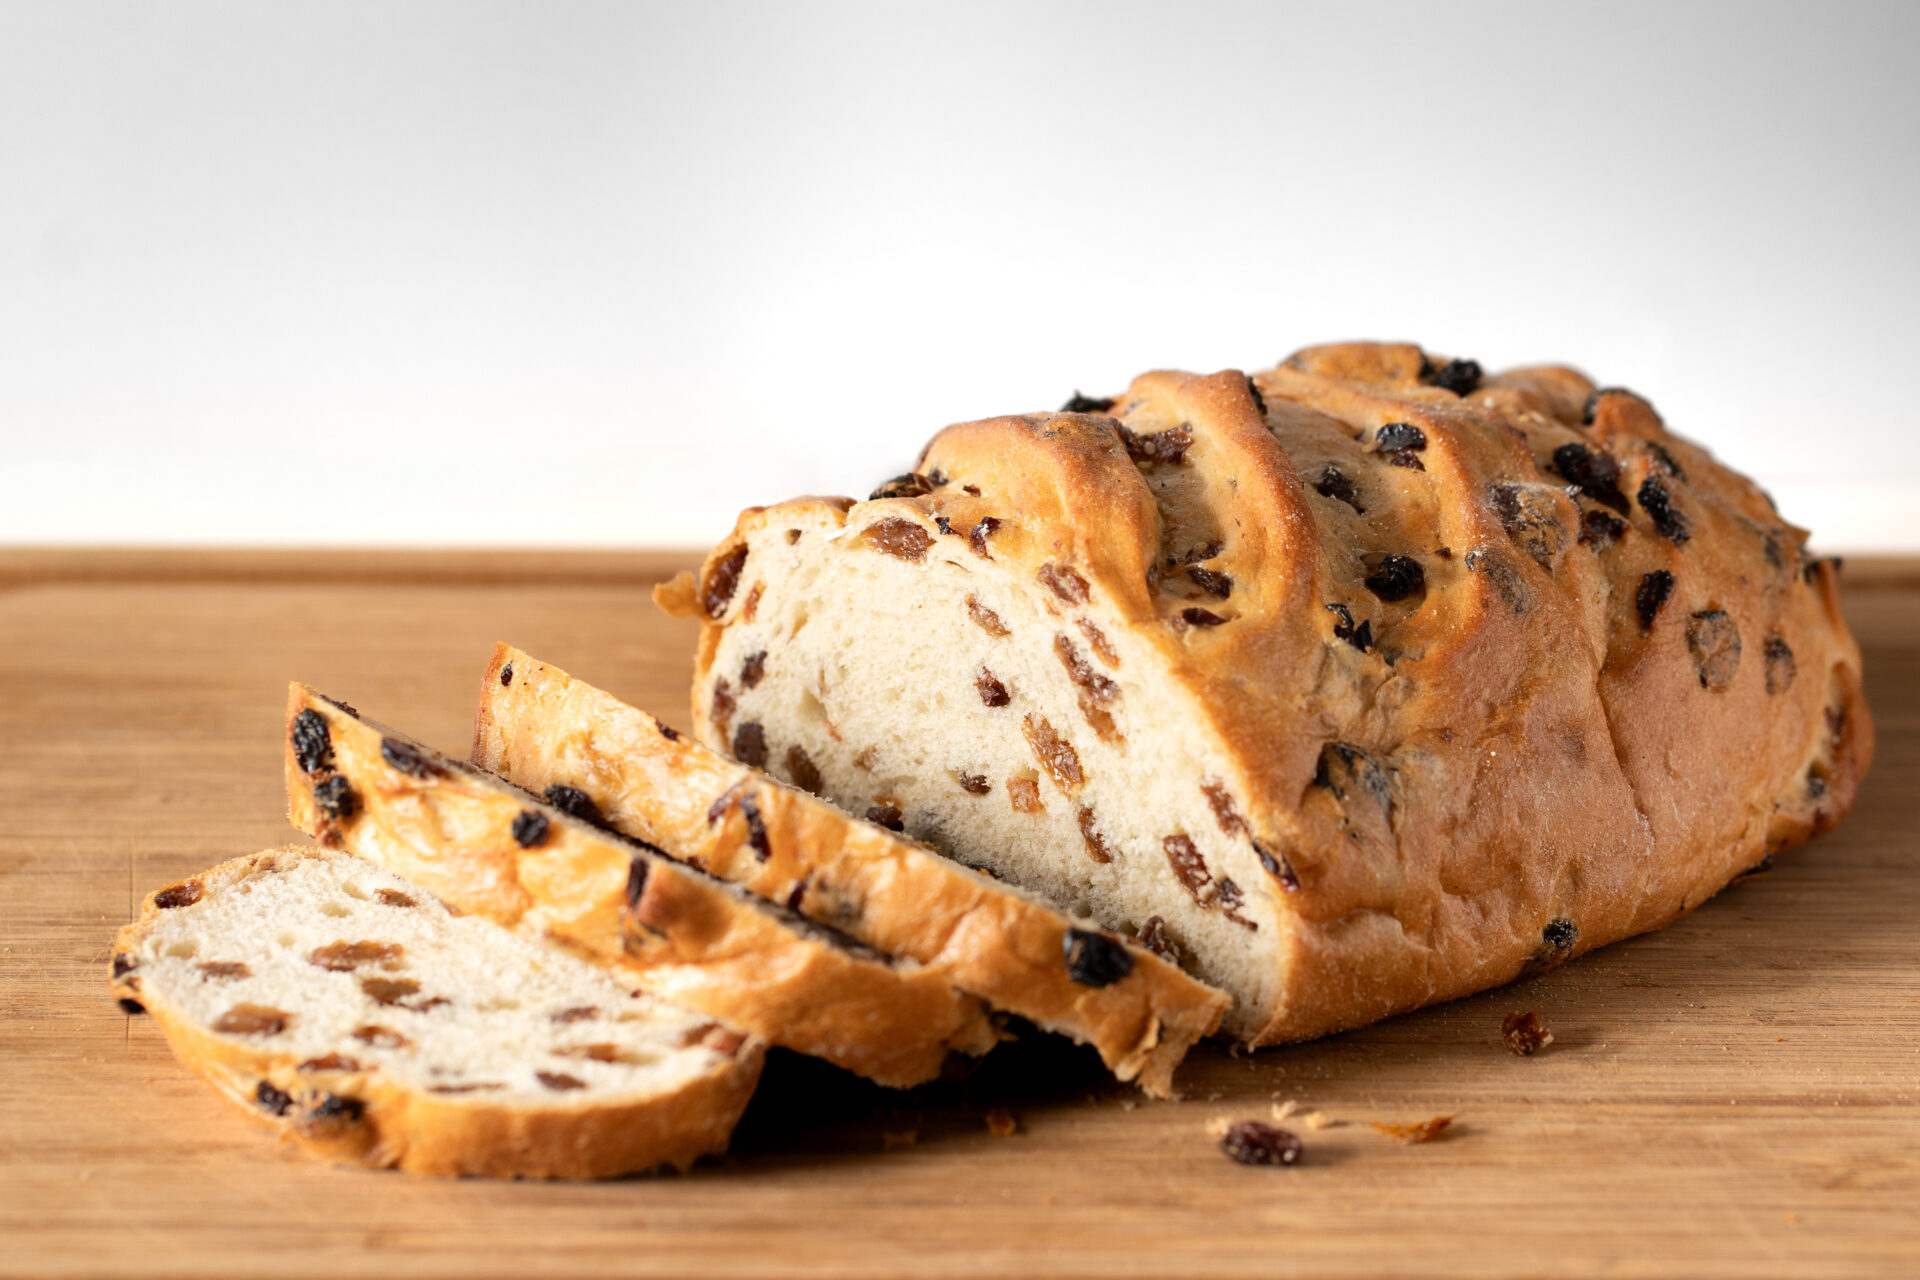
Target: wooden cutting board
[[1736, 1096]]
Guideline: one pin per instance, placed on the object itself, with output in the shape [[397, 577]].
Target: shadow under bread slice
[[539, 727], [547, 869], [350, 1011]]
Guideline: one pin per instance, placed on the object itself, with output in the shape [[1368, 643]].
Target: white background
[[602, 274]]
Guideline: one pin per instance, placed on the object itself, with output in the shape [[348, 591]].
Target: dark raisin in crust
[[409, 759], [336, 798], [1360, 637], [530, 828], [1462, 377], [1216, 584], [1652, 596], [1658, 504], [1259, 401], [1333, 483], [1250, 1142], [1594, 470], [756, 829], [1086, 404], [910, 485], [271, 1100], [1780, 665], [1278, 866], [184, 894], [1162, 448], [573, 802], [1198, 617], [1095, 960], [1713, 638], [312, 743], [977, 537], [1396, 578], [506, 675], [1395, 436], [1598, 529]]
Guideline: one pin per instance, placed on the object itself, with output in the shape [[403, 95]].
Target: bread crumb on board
[[1422, 1131], [903, 1138], [1001, 1124]]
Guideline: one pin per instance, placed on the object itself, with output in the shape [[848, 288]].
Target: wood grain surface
[[1736, 1096]]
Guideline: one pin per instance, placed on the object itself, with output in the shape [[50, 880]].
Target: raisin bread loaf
[[1365, 683], [348, 1009], [550, 871], [537, 726]]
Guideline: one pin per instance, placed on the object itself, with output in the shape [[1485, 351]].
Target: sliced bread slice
[[548, 869], [351, 1011], [539, 727]]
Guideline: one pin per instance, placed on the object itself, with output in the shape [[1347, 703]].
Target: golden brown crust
[[1564, 747], [369, 1118], [538, 726], [679, 933]]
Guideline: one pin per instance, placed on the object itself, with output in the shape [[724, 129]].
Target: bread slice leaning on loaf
[[1360, 684], [493, 850], [538, 726], [349, 1010]]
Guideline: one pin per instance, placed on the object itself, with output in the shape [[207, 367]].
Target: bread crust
[[537, 725], [1550, 771], [386, 1123], [679, 933]]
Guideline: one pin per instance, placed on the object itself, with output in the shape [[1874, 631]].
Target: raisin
[[910, 485], [1505, 579], [573, 802], [986, 619], [1231, 899], [559, 1080], [1758, 870], [1063, 582], [1090, 682], [1094, 959], [899, 537], [1658, 504], [335, 798], [530, 828], [1333, 483], [578, 1013], [1153, 936], [748, 609], [723, 704], [1055, 752], [1277, 865], [753, 669], [1343, 766], [1559, 935], [1188, 866], [1089, 835], [977, 537], [1250, 1142], [1599, 529], [1654, 589], [1198, 617], [1594, 470], [1102, 647], [1531, 518], [184, 894], [1392, 437], [409, 759], [331, 1062], [389, 991], [124, 964], [668, 732], [1086, 404], [886, 814], [1713, 639], [1360, 637], [723, 581], [271, 1100], [799, 894], [1024, 795], [637, 870], [992, 692], [971, 490], [750, 744], [1524, 1033], [1259, 401], [756, 829], [1659, 454], [394, 898], [1396, 578], [974, 784], [253, 1020], [312, 742], [224, 969], [1780, 665], [345, 957], [1404, 458], [1816, 789], [381, 1037], [506, 675], [332, 1107], [804, 772], [1214, 583], [1162, 447], [1224, 813], [131, 1006]]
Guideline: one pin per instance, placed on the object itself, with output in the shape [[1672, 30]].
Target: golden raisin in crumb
[[1394, 578], [224, 969], [1094, 959], [1063, 582], [335, 798], [1424, 1131], [978, 535], [1780, 666], [271, 1100], [1658, 504], [1231, 823], [1054, 752], [793, 536], [184, 894], [330, 1062], [389, 991], [1153, 936], [1250, 1142], [1278, 866], [899, 537], [974, 784], [1333, 483], [1360, 637], [1652, 594], [590, 1052], [1097, 639], [1024, 795], [1198, 617], [345, 957], [992, 692], [530, 828], [1090, 682], [312, 741], [1713, 639], [1594, 470], [1393, 437], [1090, 836], [393, 898], [479, 1086], [1189, 867], [752, 606], [573, 802], [987, 620], [1001, 1124], [381, 1037], [1218, 585], [1086, 404], [750, 744], [253, 1020], [506, 675], [753, 669], [723, 581], [1524, 1033], [409, 759], [559, 1080], [803, 771], [910, 485], [578, 1013], [1168, 448], [1462, 377], [886, 814], [1598, 529], [723, 704]]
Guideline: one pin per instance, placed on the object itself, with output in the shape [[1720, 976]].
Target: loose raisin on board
[[974, 784], [573, 802], [1598, 529], [1780, 665], [1063, 582], [184, 894], [1658, 504], [1167, 447], [803, 771], [1095, 960], [1594, 470], [506, 675], [1651, 596], [271, 1100], [530, 829], [899, 537], [1090, 836], [1024, 795], [986, 619], [223, 969], [1250, 1142], [345, 957], [409, 759], [1333, 483], [886, 814], [312, 741], [1396, 577], [1153, 936], [380, 1037], [394, 898], [1524, 1033], [1214, 583], [1392, 437], [1278, 866], [1713, 639], [1086, 404], [1189, 867], [723, 581], [1195, 616], [753, 669], [1462, 377], [992, 692], [253, 1020], [910, 485], [1054, 751]]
